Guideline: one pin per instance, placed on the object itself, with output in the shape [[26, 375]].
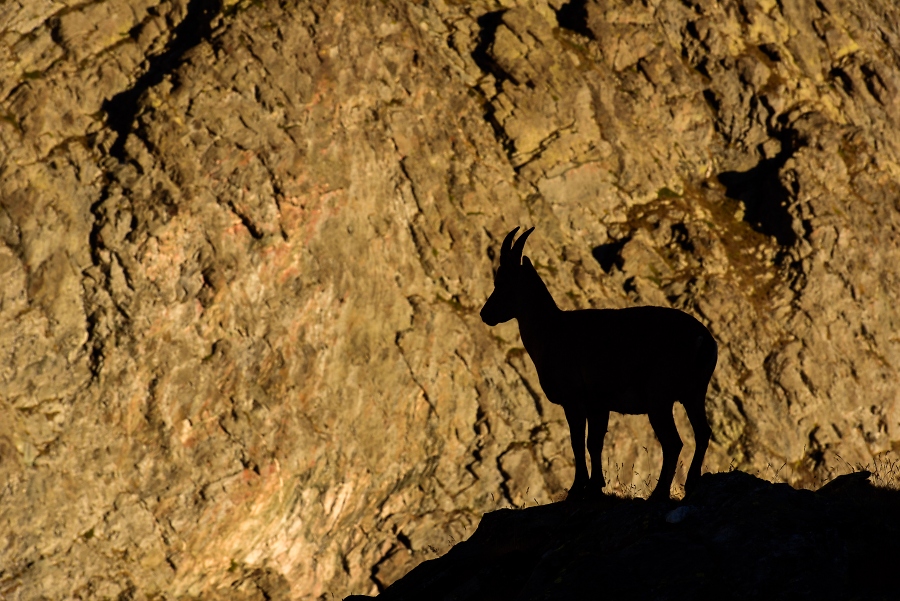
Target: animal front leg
[[598, 422], [576, 418]]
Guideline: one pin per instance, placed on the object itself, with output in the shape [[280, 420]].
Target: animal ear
[[506, 246], [516, 253]]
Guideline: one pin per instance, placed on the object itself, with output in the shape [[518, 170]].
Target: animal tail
[[707, 355]]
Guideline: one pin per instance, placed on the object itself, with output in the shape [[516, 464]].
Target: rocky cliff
[[243, 246]]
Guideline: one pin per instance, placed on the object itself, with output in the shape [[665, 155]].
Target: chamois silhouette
[[638, 360]]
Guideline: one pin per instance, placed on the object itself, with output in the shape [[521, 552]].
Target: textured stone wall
[[243, 247]]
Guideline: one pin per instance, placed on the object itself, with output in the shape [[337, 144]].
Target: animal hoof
[[658, 495], [578, 492], [594, 490]]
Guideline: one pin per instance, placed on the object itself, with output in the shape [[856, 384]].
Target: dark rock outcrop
[[739, 537]]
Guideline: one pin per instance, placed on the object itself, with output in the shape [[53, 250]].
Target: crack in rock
[[122, 109]]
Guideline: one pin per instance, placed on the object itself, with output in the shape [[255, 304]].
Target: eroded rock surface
[[244, 244]]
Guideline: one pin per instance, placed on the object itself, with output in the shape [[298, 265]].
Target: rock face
[[739, 538], [243, 247]]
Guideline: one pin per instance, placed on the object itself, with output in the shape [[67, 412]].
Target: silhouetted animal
[[592, 361]]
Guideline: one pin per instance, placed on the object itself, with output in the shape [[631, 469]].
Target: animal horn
[[507, 245], [515, 254]]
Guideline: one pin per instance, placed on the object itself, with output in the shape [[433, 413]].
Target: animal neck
[[537, 312]]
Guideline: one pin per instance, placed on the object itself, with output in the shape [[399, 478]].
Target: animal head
[[502, 305]]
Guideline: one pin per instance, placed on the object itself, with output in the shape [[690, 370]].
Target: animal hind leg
[[695, 407], [598, 422], [663, 424]]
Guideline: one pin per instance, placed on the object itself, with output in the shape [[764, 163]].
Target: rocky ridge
[[244, 244], [739, 537]]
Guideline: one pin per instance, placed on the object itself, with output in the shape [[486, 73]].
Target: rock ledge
[[737, 537]]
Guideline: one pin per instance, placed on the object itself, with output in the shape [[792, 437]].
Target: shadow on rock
[[764, 196], [736, 537]]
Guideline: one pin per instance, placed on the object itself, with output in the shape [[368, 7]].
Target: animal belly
[[628, 400]]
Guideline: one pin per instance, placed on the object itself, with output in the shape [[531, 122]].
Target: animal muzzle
[[487, 318]]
